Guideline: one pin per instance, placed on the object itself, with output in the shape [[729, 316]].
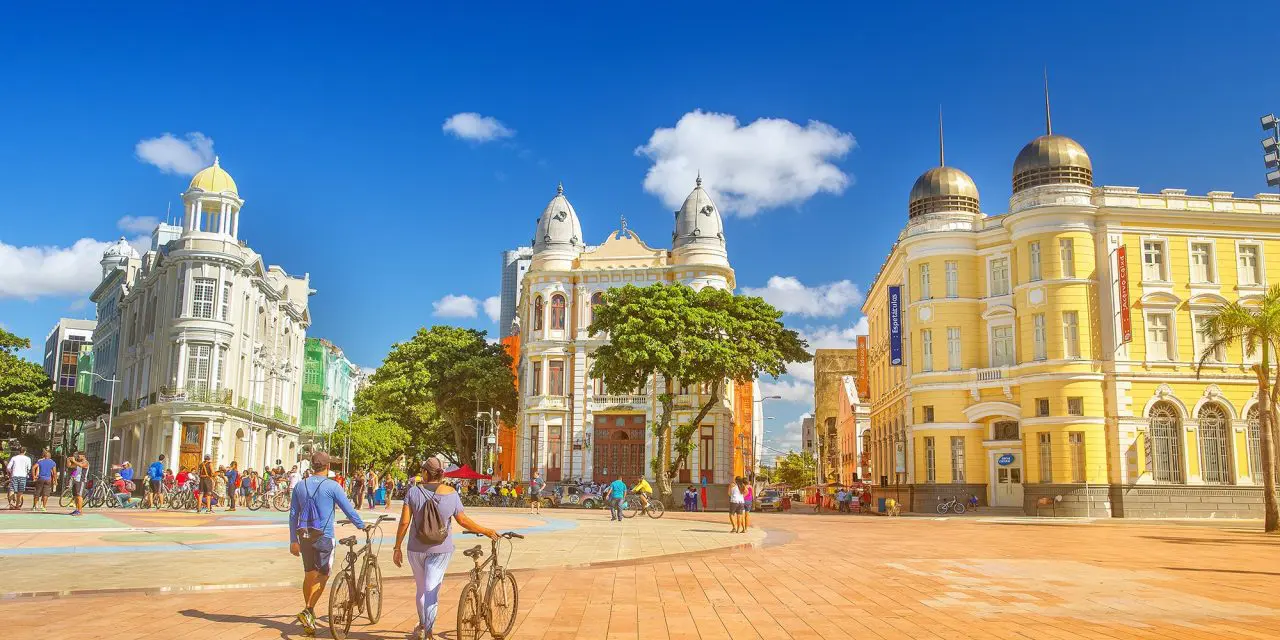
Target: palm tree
[[1255, 327]]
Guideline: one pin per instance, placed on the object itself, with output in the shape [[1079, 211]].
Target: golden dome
[[214, 180], [1052, 159], [943, 189]]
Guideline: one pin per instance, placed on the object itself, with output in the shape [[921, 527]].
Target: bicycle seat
[[350, 541], [473, 552]]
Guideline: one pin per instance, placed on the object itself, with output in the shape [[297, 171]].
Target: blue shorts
[[317, 553], [18, 484]]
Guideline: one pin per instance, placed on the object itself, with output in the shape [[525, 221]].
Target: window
[[198, 366], [1250, 273], [553, 450], [1000, 277], [537, 378], [953, 279], [1153, 260], [1215, 445], [1042, 407], [1076, 440], [597, 299], [537, 313], [1202, 342], [555, 378], [926, 413], [1164, 443], [1071, 334], [926, 291], [1159, 346], [1201, 262], [1046, 457], [1005, 430], [926, 350], [930, 462], [202, 295], [1253, 445], [706, 453], [1002, 346], [226, 301], [1034, 249], [953, 348], [557, 311], [1067, 252], [1037, 322], [1075, 406], [957, 459]]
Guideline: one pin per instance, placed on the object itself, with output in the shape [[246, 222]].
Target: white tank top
[[735, 495]]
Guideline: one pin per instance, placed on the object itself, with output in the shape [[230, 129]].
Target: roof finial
[[624, 225], [698, 182], [942, 148], [1048, 121], [560, 188], [215, 161]]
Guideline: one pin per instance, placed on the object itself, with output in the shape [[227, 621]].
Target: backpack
[[130, 486], [312, 523], [433, 529]]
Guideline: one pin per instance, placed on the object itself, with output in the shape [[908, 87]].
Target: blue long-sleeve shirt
[[327, 495]]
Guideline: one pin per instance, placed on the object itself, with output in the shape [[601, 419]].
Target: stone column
[[175, 446]]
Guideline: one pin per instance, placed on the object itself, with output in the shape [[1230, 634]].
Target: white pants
[[428, 573]]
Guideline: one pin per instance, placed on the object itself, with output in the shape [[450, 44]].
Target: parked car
[[571, 495], [769, 500]]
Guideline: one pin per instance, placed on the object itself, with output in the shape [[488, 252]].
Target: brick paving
[[812, 577]]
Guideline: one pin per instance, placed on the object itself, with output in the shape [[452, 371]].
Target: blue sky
[[331, 119]]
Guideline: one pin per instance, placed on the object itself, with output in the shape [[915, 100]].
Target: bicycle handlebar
[[508, 535]]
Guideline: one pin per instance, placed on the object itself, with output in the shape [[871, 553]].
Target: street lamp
[[755, 459], [1271, 149], [481, 440], [111, 409]]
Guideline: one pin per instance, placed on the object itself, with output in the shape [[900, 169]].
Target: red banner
[[1122, 278], [864, 383]]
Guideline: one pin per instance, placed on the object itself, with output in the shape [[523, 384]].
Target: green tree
[[701, 339], [75, 409], [433, 385], [796, 469], [375, 439], [1255, 327], [25, 389]]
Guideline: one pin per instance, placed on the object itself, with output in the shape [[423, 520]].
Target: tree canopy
[[375, 439], [796, 469], [75, 409], [25, 389], [702, 339]]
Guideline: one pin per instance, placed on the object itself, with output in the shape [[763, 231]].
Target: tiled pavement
[[813, 577]]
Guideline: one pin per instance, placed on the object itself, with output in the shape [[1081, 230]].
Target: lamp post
[[111, 409], [1271, 149], [481, 439], [755, 459]]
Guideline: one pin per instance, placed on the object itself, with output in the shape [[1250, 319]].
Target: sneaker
[[76, 513], [308, 621]]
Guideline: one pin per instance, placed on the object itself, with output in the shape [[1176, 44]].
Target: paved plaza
[[167, 575]]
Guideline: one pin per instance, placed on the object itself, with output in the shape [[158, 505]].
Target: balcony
[[201, 395], [990, 374], [546, 403], [627, 402], [991, 377]]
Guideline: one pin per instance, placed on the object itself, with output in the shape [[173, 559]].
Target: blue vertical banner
[[895, 326]]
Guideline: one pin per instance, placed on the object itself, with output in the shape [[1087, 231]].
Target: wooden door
[[192, 446]]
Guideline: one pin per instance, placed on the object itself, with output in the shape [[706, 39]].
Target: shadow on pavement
[[1238, 571], [289, 628], [1218, 541]]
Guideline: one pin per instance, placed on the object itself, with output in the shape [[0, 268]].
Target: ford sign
[[1005, 460]]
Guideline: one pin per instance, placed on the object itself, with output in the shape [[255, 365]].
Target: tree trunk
[[1271, 511], [683, 444], [662, 447]]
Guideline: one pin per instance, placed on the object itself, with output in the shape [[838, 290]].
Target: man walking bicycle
[[311, 532]]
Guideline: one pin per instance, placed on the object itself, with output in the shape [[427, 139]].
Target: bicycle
[[501, 594], [891, 508], [352, 594], [633, 505], [972, 503], [952, 505], [67, 498]]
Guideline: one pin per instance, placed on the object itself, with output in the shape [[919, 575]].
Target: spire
[[942, 148], [215, 161], [1048, 121], [560, 188], [698, 182]]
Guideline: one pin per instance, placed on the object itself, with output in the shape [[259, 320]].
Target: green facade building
[[328, 387]]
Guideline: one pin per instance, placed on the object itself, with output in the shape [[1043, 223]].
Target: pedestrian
[[616, 492], [233, 485], [79, 466], [206, 485], [389, 487], [690, 499], [535, 493], [19, 468], [155, 480], [840, 506], [46, 474], [428, 563], [311, 511], [357, 489], [748, 497], [123, 490], [220, 486], [735, 506], [168, 478], [294, 477], [370, 486]]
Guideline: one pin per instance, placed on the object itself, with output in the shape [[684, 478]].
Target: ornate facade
[[570, 426]]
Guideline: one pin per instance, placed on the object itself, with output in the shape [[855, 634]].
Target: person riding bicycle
[[311, 534], [643, 491]]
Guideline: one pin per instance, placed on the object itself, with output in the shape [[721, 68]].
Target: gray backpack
[[433, 529]]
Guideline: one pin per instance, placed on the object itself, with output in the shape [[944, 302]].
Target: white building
[[210, 340], [571, 427]]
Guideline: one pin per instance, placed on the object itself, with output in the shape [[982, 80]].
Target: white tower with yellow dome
[[212, 203]]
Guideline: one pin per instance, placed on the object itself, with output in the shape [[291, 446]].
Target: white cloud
[[827, 337], [452, 306], [779, 441], [790, 295], [138, 224], [790, 390], [39, 271], [492, 308], [769, 163], [476, 128], [171, 154]]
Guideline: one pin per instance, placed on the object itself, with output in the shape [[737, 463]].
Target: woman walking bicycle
[[429, 562]]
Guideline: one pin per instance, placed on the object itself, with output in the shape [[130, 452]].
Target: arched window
[[537, 313], [596, 299], [1164, 443], [1215, 444], [1254, 444], [557, 311]]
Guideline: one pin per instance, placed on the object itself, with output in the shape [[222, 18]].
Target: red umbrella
[[465, 472]]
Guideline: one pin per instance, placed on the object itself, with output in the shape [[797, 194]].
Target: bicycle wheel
[[958, 508], [280, 502], [371, 581], [501, 604], [95, 498], [470, 620], [943, 507], [656, 509], [254, 502], [65, 499], [342, 604], [631, 507]]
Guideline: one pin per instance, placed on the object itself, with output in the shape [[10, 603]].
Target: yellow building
[[1016, 381], [839, 415]]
